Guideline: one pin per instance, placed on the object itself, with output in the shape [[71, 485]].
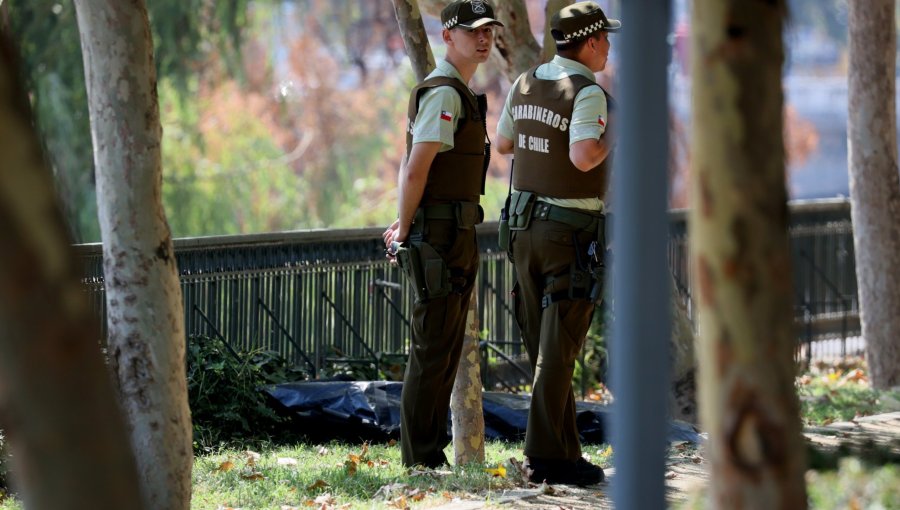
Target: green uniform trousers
[[438, 330], [543, 255]]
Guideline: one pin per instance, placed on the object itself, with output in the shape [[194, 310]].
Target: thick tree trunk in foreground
[[465, 401], [143, 297], [741, 260], [875, 184], [68, 440]]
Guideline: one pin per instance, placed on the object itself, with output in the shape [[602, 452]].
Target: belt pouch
[[521, 204]]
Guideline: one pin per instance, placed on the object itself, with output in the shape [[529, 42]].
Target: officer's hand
[[388, 234]]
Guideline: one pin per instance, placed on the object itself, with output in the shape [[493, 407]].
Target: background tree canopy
[[277, 115]]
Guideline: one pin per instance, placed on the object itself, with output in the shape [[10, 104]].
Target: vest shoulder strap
[[470, 101]]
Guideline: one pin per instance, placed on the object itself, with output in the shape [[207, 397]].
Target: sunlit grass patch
[[344, 476]]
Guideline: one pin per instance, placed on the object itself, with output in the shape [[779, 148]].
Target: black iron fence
[[323, 296]]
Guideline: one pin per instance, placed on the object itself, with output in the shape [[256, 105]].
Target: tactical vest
[[456, 175], [542, 114]]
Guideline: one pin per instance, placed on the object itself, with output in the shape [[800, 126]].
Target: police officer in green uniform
[[440, 183], [556, 123]]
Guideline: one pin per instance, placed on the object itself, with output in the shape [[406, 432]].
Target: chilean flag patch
[[445, 115], [601, 121]]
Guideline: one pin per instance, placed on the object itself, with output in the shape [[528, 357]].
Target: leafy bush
[[223, 391]]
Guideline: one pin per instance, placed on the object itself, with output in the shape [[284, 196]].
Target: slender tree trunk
[[466, 404], [68, 439], [549, 48], [409, 19], [465, 401], [143, 297], [875, 183], [683, 397], [741, 258]]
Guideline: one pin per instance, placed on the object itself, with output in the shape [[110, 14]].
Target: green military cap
[[579, 20], [469, 14]]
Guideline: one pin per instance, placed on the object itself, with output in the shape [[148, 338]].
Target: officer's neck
[[465, 67]]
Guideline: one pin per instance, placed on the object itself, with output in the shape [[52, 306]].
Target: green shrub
[[223, 392]]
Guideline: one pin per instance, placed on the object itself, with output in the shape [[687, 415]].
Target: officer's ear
[[445, 35]]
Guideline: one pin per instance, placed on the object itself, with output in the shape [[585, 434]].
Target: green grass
[[337, 475], [348, 476]]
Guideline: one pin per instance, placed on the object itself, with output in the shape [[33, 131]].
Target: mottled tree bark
[[549, 46], [143, 298], [741, 259], [465, 402], [409, 19], [683, 396], [515, 48], [875, 184], [69, 442]]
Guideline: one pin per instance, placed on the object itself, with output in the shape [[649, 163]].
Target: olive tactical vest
[[542, 113], [456, 175]]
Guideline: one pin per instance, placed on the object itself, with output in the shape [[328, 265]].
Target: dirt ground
[[686, 470]]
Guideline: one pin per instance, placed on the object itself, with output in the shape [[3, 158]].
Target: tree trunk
[[875, 184], [143, 297], [466, 405], [465, 401], [741, 259], [549, 48], [515, 48], [683, 397], [68, 438], [409, 19]]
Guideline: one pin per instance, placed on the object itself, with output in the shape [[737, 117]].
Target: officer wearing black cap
[[441, 181], [557, 125]]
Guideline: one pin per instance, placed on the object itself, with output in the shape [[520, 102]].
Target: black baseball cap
[[579, 20], [468, 14]]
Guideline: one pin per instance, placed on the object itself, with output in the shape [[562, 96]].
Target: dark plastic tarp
[[370, 411]]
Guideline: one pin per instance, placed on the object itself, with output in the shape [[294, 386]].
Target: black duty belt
[[582, 220], [466, 214]]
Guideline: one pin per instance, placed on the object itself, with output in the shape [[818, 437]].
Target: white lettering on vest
[[538, 144], [540, 114]]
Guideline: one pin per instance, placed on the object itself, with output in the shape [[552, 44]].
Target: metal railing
[[323, 296]]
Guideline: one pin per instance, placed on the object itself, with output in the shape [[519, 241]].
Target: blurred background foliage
[[280, 114], [276, 115]]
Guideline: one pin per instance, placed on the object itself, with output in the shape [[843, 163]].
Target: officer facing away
[[556, 123], [440, 183]]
